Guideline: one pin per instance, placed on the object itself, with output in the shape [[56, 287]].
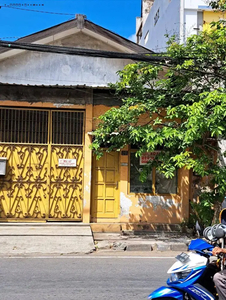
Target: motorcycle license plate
[[183, 257]]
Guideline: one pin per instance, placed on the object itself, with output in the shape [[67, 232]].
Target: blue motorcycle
[[191, 276]]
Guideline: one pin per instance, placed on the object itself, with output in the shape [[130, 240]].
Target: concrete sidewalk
[[144, 242], [18, 239], [45, 238]]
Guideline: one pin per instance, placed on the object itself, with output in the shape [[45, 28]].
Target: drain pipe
[[182, 25]]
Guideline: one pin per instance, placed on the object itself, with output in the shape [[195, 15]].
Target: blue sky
[[118, 16]]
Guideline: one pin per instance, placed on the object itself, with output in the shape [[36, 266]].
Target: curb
[[142, 242], [140, 245]]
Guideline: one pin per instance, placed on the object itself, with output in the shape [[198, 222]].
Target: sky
[[17, 18]]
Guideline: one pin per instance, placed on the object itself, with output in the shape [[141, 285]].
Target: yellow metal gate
[[35, 186]]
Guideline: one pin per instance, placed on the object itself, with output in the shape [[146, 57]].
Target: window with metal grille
[[23, 126], [67, 127]]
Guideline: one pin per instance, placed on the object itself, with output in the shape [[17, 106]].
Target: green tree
[[218, 4], [185, 100]]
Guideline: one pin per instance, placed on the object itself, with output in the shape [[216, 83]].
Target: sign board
[[65, 162], [3, 161], [145, 157]]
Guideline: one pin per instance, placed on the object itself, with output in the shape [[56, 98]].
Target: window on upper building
[[156, 17], [156, 182], [139, 36], [146, 37]]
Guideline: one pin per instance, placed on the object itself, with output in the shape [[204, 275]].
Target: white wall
[[194, 4], [191, 8], [168, 23], [171, 21], [190, 20]]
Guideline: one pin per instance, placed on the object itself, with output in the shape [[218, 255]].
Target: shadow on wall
[[156, 210]]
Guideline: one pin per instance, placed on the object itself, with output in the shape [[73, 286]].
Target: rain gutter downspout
[[182, 25]]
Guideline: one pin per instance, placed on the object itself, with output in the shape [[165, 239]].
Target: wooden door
[[105, 191]]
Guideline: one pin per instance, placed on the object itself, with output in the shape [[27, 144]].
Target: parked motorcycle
[[191, 276]]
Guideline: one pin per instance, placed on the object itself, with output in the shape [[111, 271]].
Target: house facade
[[49, 105], [181, 18]]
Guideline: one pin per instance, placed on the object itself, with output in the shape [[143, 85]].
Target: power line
[[148, 57], [154, 59], [38, 11], [18, 37], [9, 37]]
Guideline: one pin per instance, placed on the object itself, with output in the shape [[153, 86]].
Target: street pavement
[[82, 277]]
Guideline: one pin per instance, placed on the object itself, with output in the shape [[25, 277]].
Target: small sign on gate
[[3, 161], [65, 162]]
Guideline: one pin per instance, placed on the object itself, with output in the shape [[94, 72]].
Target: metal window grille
[[67, 127], [23, 126]]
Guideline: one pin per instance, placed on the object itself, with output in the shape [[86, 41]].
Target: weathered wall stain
[[60, 105], [125, 204], [47, 69], [157, 201]]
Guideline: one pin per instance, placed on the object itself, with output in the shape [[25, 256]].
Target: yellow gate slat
[[66, 184]]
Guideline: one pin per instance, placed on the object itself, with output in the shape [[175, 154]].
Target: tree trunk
[[217, 210]]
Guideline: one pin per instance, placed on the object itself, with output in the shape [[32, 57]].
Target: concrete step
[[45, 238]]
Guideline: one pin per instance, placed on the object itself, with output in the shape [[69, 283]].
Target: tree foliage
[[183, 101], [218, 4]]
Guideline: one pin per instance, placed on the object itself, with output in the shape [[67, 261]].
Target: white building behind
[[181, 18]]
